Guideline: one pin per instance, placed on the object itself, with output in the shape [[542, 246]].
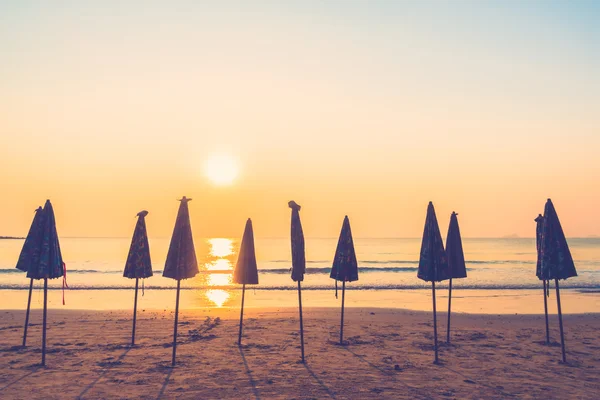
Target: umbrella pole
[[44, 323], [242, 315], [176, 321], [562, 336], [546, 285], [301, 325], [342, 323], [449, 308], [27, 314], [134, 311], [435, 343]]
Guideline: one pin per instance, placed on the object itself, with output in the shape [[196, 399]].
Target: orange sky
[[370, 112]]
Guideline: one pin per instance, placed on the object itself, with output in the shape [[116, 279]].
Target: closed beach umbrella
[[345, 266], [539, 230], [46, 261], [181, 259], [456, 261], [298, 261], [557, 262], [31, 245], [246, 271], [138, 265], [433, 263]]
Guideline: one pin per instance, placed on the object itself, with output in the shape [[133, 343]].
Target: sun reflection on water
[[220, 247], [221, 264], [220, 250], [218, 296]]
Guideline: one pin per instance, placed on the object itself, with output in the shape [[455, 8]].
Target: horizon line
[[8, 237]]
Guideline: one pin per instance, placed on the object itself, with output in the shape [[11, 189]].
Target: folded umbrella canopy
[[456, 261], [539, 230], [298, 261], [345, 266], [181, 259], [31, 245], [433, 263], [46, 260], [138, 265], [246, 270], [557, 262]]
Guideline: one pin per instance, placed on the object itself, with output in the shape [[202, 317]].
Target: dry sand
[[490, 357]]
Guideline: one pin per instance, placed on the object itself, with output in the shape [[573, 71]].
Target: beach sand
[[490, 356]]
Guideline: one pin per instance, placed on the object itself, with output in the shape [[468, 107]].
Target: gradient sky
[[369, 109]]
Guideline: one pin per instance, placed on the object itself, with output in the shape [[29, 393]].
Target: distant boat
[[10, 237]]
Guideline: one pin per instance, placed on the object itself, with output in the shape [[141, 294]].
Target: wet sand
[[388, 354], [470, 301]]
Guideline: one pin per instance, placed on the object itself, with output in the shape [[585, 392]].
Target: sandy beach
[[388, 355]]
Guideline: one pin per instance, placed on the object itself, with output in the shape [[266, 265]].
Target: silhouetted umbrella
[[345, 266], [433, 263], [539, 230], [246, 271], [46, 261], [298, 261], [181, 259], [138, 263], [557, 262], [31, 245], [456, 261]]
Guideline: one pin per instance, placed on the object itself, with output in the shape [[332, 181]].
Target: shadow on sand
[[165, 383], [472, 382], [319, 381], [104, 371], [254, 388], [390, 374], [35, 369]]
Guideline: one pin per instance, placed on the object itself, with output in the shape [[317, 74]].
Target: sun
[[221, 169]]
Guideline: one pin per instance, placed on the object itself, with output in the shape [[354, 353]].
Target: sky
[[369, 109]]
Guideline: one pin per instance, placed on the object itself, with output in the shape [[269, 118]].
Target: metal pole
[[546, 287], [242, 315], [27, 314], [44, 324], [449, 309], [342, 324], [301, 325], [562, 335], [134, 311], [435, 343], [176, 321]]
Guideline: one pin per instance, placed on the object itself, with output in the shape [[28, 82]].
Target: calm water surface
[[386, 265]]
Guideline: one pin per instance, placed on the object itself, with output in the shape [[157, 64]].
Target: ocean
[[387, 268]]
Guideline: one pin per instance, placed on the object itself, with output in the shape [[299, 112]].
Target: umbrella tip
[[142, 213], [294, 206], [38, 209], [184, 199]]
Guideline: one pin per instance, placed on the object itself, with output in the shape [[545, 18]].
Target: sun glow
[[221, 169], [220, 247], [217, 296]]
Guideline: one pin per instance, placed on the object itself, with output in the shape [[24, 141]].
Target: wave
[[323, 270], [591, 287], [416, 262], [276, 271]]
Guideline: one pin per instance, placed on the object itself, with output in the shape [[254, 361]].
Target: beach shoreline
[[471, 301], [388, 355]]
